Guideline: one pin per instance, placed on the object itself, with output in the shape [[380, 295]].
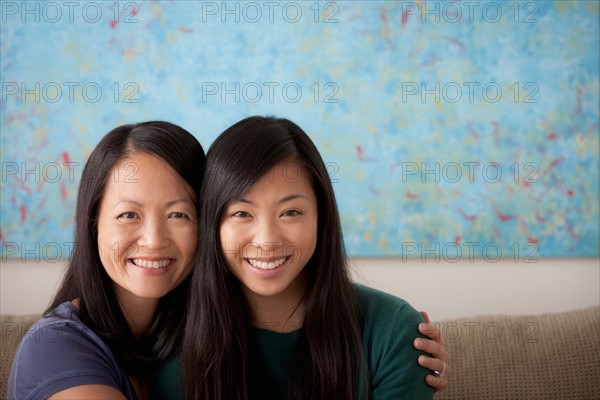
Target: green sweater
[[389, 327]]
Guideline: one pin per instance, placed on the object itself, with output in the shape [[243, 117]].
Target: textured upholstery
[[545, 357], [13, 327]]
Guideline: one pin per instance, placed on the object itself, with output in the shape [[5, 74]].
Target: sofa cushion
[[545, 357], [12, 329]]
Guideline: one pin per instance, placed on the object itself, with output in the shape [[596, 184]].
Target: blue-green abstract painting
[[450, 129]]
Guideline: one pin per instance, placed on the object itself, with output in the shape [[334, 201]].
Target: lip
[[152, 271], [268, 272]]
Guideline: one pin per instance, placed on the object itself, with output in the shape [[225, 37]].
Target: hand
[[440, 359]]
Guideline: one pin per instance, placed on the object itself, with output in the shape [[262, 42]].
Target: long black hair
[[86, 278], [218, 340]]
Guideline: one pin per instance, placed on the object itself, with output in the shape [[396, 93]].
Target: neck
[[282, 313], [277, 317], [139, 313]]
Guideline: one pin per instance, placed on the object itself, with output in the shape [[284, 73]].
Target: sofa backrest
[[545, 357], [12, 329]]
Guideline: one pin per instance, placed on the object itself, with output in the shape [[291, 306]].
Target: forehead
[[284, 176], [145, 175]]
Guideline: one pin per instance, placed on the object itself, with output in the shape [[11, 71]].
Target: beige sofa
[[545, 357]]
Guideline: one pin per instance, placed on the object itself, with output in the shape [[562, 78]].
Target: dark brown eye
[[128, 215], [291, 213], [178, 214]]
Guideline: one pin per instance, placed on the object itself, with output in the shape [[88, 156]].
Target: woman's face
[[147, 228], [269, 235]]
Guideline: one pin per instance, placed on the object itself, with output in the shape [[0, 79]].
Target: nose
[[267, 237], [154, 234]]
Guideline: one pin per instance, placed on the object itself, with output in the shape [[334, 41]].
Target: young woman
[[272, 313], [119, 310]]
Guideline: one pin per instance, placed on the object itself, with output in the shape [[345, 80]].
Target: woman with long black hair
[[119, 310], [272, 312]]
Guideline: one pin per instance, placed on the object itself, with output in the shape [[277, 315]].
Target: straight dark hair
[[86, 278], [218, 337]]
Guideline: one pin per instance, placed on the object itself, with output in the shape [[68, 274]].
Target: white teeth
[[151, 264], [266, 265]]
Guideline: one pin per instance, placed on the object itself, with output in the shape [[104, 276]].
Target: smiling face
[[269, 235], [147, 228]]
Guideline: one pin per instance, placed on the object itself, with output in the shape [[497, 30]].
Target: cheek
[[110, 233], [116, 242], [228, 238], [189, 247], [227, 245], [105, 243], [185, 238], [310, 239], [310, 232], [226, 231], [304, 240]]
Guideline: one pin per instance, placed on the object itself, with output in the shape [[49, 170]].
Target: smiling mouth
[[272, 264], [152, 264]]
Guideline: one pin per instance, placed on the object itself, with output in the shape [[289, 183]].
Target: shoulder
[[389, 326], [386, 319], [58, 329], [385, 311], [61, 352]]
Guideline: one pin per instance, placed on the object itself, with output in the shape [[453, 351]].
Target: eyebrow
[[282, 200], [168, 203]]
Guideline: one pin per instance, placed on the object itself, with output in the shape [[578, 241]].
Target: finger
[[430, 331], [425, 316], [431, 347], [434, 364], [436, 383]]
